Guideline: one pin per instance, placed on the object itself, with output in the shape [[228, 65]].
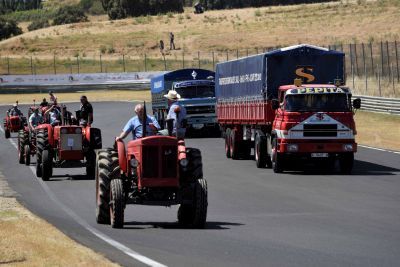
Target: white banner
[[77, 79]]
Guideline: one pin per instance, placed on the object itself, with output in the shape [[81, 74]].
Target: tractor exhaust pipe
[[144, 119]]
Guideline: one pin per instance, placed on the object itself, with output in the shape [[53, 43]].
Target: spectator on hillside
[[171, 41], [162, 47]]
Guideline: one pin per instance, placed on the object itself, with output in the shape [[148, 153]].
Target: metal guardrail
[[380, 104]]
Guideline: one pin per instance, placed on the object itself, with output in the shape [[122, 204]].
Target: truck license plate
[[198, 125], [319, 155], [70, 142]]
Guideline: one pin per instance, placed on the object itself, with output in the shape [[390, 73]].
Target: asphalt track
[[255, 217]]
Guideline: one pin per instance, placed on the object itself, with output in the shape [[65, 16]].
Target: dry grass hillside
[[328, 23]]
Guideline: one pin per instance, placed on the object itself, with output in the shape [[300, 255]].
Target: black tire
[[195, 215], [107, 166], [47, 165], [90, 164], [233, 145], [27, 155], [260, 151], [245, 149], [42, 143], [7, 133], [346, 162], [117, 204], [276, 158], [227, 143], [21, 146], [194, 169]]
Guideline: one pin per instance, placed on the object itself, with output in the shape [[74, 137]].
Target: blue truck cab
[[197, 90]]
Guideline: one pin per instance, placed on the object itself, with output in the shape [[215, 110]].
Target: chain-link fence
[[370, 67]]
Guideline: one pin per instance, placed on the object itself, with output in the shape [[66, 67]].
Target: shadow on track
[[175, 225], [66, 177]]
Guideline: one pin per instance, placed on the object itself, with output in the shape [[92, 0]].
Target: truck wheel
[[276, 158], [42, 143], [21, 146], [233, 145], [90, 164], [227, 143], [245, 149], [346, 162], [47, 165], [106, 164], [260, 151], [27, 155], [117, 203], [7, 133]]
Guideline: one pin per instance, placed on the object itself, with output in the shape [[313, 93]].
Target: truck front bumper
[[344, 146]]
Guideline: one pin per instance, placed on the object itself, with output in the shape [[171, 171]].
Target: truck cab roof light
[[298, 82]]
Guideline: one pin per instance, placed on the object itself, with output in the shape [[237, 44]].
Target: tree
[[8, 28], [69, 14]]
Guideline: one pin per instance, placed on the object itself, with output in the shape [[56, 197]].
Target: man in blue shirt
[[54, 115], [174, 105], [35, 119], [134, 125]]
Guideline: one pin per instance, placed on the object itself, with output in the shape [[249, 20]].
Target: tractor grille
[[156, 165], [200, 109], [320, 130]]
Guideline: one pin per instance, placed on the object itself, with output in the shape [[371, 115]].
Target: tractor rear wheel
[[7, 133], [42, 143], [27, 155], [47, 165], [117, 204], [21, 146], [227, 143], [194, 169], [107, 166]]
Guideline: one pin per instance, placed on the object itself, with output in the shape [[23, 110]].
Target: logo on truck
[[300, 72]]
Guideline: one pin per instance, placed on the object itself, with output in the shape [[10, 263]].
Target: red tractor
[[12, 124], [153, 170], [66, 145]]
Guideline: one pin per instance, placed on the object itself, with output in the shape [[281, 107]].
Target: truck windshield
[[196, 91], [317, 102]]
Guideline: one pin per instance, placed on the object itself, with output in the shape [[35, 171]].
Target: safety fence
[[380, 104]]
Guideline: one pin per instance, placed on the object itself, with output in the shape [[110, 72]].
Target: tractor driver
[[86, 111], [14, 111], [35, 119], [134, 125], [54, 115]]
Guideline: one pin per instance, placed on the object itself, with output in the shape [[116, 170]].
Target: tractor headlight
[[134, 163], [78, 130], [64, 130], [292, 147], [348, 147], [184, 162]]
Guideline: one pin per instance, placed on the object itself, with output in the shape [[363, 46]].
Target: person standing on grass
[[171, 41], [162, 47]]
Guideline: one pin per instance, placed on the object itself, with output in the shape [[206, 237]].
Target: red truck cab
[[314, 122]]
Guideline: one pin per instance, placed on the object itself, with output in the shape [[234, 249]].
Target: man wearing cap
[[174, 105], [135, 125], [53, 98], [14, 111], [86, 111]]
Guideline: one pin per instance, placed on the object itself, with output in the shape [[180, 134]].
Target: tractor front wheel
[[27, 155], [47, 165], [117, 204]]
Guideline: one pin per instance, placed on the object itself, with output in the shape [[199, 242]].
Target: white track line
[[85, 225], [380, 149]]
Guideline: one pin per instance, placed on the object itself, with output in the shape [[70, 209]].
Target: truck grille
[[156, 165], [200, 109], [320, 130]]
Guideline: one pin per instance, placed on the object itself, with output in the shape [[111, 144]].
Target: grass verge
[[114, 95], [26, 240]]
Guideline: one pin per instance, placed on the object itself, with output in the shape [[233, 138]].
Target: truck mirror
[[275, 104], [357, 103]]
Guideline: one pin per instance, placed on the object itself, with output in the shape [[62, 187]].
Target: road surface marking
[[380, 149], [85, 225]]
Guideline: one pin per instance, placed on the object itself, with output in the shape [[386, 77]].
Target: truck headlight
[[134, 163], [348, 147], [184, 162], [78, 130], [292, 147]]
